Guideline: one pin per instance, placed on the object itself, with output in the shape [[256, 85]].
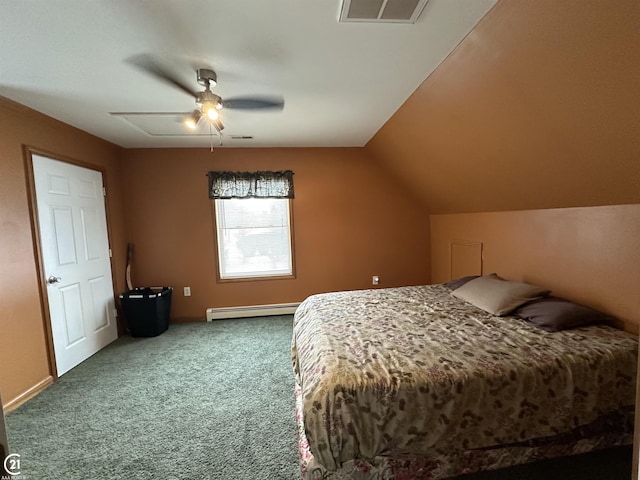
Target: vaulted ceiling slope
[[539, 107]]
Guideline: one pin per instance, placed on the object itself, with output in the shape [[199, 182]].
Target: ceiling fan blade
[[151, 66], [254, 103]]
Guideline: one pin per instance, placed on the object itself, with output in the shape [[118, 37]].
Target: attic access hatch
[[381, 11]]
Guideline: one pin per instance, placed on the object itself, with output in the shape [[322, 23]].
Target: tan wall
[[23, 356], [590, 255], [350, 223], [537, 108]]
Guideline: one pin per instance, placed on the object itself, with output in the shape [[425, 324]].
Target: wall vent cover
[[381, 11]]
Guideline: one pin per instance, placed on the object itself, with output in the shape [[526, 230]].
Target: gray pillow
[[554, 314], [497, 295], [458, 282]]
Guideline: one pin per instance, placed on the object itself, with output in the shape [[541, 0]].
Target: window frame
[[221, 279]]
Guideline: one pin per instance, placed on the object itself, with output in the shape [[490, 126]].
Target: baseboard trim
[[27, 395], [251, 311]]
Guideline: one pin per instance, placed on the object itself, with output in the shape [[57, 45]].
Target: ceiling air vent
[[381, 11]]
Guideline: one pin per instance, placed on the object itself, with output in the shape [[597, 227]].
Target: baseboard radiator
[[251, 311]]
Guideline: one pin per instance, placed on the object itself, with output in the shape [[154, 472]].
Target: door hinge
[[110, 253], [104, 191]]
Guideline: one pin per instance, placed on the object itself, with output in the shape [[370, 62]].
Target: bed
[[415, 383]]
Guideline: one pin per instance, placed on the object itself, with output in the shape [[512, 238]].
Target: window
[[253, 223], [254, 237]]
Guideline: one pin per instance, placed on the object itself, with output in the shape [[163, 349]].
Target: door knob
[[51, 280]]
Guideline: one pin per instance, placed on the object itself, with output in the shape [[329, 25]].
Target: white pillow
[[497, 295]]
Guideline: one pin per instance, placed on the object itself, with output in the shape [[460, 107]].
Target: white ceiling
[[341, 81]]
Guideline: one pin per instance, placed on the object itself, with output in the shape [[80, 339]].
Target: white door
[[75, 250]]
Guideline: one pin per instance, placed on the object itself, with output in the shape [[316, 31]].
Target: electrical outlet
[[375, 280], [187, 291]]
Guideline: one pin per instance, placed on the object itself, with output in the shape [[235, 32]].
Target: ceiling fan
[[209, 104]]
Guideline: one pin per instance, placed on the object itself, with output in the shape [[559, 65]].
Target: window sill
[[256, 279]]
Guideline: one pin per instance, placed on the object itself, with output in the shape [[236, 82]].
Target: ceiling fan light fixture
[[212, 113], [192, 120], [210, 109], [218, 125]]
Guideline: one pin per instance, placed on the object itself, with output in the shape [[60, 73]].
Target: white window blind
[[254, 237]]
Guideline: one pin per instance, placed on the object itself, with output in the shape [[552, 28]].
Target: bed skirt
[[613, 431]]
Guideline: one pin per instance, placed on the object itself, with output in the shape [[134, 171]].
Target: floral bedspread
[[607, 432], [401, 371]]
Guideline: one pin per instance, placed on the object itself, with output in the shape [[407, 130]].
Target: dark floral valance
[[224, 185]]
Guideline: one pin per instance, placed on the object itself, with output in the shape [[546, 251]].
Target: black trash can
[[146, 310]]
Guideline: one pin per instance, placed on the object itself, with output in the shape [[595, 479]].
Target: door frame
[[29, 151]]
